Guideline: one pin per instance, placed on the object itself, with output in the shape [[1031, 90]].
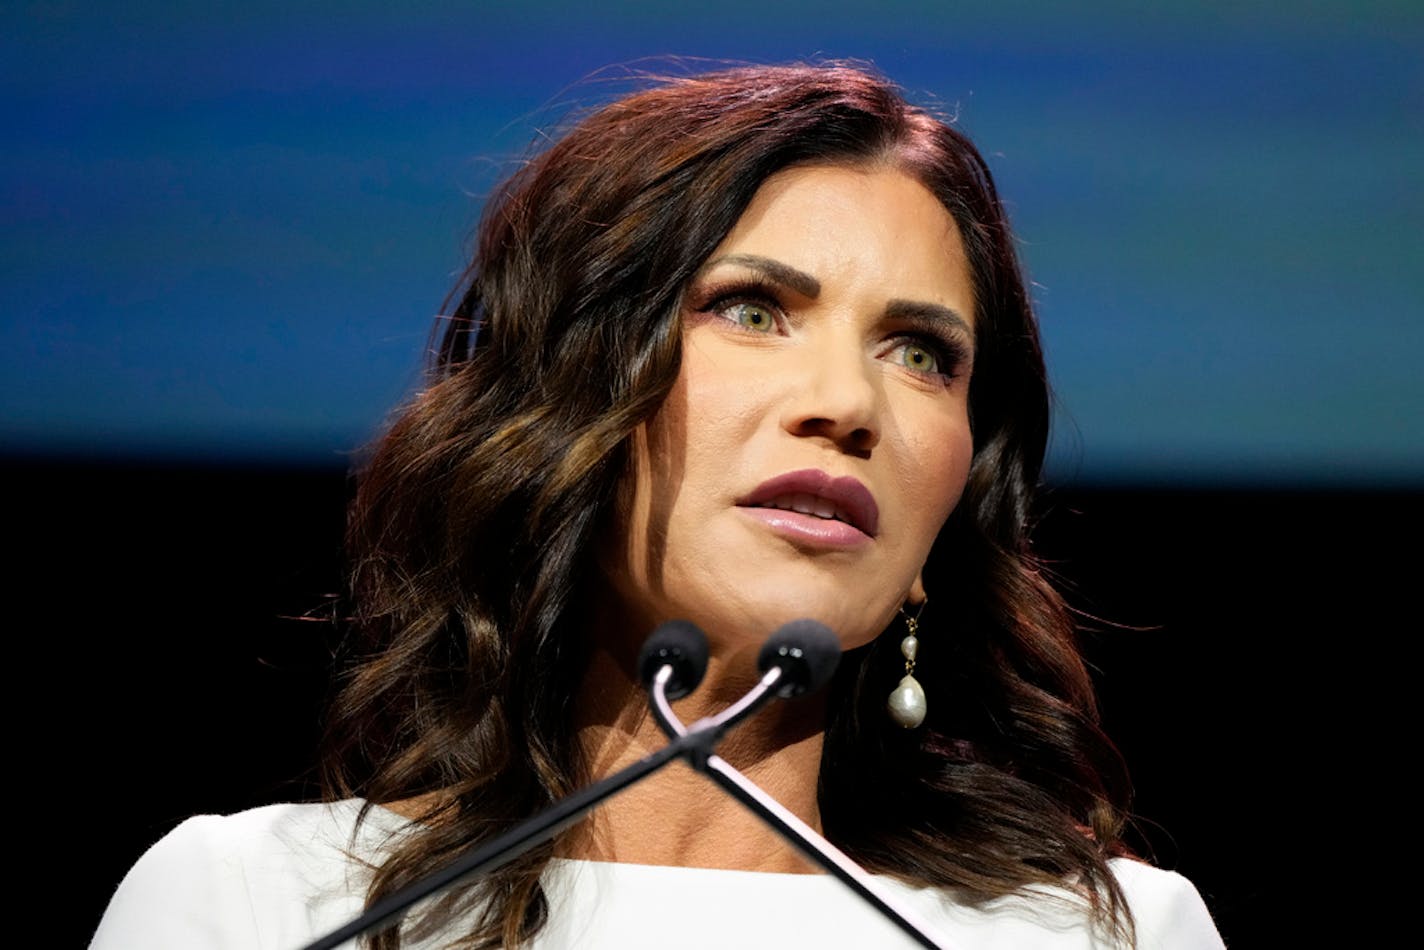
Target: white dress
[[278, 877]]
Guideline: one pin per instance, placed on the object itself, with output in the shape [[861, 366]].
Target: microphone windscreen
[[681, 644], [807, 652]]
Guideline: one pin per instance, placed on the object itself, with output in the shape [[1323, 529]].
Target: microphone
[[806, 652], [680, 644], [798, 658]]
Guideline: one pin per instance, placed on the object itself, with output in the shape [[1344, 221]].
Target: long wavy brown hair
[[477, 514]]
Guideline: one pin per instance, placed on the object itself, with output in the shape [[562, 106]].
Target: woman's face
[[818, 435]]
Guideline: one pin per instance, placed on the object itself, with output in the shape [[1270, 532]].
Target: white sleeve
[[1168, 911], [188, 892]]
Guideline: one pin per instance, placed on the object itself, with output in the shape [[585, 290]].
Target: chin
[[749, 624]]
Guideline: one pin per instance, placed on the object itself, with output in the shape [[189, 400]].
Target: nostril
[[863, 439], [858, 440]]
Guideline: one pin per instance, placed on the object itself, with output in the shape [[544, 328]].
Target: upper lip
[[852, 500]]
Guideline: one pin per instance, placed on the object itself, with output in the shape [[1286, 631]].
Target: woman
[[740, 348]]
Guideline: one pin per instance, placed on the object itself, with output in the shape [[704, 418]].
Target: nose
[[837, 397]]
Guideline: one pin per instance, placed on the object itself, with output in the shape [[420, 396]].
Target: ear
[[917, 593]]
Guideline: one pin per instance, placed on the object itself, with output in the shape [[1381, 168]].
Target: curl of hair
[[476, 515]]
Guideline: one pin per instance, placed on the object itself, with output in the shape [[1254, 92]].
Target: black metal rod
[[512, 843], [816, 848], [694, 743]]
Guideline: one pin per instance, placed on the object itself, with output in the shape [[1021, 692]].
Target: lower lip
[[808, 529]]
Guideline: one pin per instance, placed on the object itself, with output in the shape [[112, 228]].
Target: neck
[[677, 816]]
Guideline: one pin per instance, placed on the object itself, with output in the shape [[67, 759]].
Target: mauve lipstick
[[849, 499]]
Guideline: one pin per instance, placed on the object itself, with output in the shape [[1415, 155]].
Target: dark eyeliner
[[745, 290]]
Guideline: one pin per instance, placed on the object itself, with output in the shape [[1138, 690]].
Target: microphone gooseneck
[[798, 658]]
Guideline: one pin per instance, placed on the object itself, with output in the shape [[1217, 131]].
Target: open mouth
[[808, 504], [818, 494]]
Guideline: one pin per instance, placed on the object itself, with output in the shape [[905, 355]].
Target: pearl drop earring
[[907, 703]]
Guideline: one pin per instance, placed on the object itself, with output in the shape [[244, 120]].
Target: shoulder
[[268, 877], [1169, 912]]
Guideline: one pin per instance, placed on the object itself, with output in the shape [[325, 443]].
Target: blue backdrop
[[227, 227]]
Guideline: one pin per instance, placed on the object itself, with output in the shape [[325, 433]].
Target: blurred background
[[226, 229]]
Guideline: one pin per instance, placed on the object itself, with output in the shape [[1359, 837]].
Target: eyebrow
[[808, 286], [917, 310], [799, 281]]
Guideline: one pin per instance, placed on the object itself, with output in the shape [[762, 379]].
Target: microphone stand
[[695, 743], [800, 835]]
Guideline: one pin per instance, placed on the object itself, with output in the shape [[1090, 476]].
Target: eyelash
[[949, 352], [717, 299]]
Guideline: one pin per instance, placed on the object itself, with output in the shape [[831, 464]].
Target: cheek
[[936, 471], [957, 454], [725, 394], [723, 411]]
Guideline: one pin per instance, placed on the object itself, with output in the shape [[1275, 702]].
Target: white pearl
[[907, 703], [909, 647]]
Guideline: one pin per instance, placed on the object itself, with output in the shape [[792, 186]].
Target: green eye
[[753, 316], [919, 358]]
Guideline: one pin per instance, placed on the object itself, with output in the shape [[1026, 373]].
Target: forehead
[[874, 222]]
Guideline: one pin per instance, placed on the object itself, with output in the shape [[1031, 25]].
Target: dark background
[[1248, 672]]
